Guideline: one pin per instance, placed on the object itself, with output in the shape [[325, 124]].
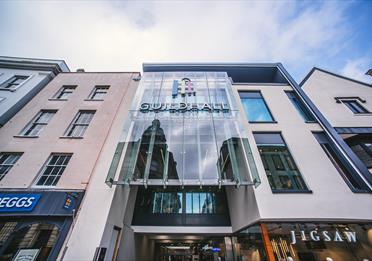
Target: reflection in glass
[[255, 107]]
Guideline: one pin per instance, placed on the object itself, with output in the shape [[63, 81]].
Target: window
[[38, 123], [201, 203], [7, 161], [255, 107], [353, 181], [80, 124], [53, 169], [64, 92], [167, 202], [281, 170], [361, 145], [14, 82], [300, 107], [354, 105], [98, 93], [2, 99]]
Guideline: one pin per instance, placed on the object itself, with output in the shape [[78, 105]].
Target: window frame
[[74, 123], [96, 90], [300, 107], [360, 110], [33, 121], [18, 154], [12, 89], [264, 102], [46, 165], [61, 90], [285, 145]]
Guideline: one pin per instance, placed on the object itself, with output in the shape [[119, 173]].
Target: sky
[[121, 35]]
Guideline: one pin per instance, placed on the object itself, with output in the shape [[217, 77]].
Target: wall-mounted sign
[[183, 106], [18, 202], [26, 255], [318, 235]]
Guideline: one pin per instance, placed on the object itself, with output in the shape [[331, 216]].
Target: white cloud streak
[[120, 36]]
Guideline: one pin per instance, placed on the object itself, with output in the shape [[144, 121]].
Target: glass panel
[[300, 107], [281, 175], [256, 110]]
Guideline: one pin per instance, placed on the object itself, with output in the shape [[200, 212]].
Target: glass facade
[[184, 129]]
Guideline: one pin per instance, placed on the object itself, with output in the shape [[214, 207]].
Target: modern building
[[223, 162], [347, 105], [48, 152], [21, 79]]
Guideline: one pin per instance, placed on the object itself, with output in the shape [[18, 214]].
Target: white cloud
[[119, 36], [356, 69]]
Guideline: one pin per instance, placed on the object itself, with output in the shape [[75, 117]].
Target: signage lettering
[[315, 235], [18, 202], [183, 106]]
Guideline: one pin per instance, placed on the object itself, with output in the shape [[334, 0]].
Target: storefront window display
[[309, 242]]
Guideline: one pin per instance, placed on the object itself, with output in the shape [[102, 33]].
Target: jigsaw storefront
[[34, 224]]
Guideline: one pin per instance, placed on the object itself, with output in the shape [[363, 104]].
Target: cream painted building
[[49, 151]]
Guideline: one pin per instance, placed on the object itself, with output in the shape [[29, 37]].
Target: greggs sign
[[18, 202]]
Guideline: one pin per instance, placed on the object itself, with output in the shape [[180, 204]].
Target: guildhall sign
[[184, 88]]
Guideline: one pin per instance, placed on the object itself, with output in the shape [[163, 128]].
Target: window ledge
[[25, 136], [363, 114], [55, 99], [71, 137], [7, 89], [93, 99], [262, 122], [286, 191]]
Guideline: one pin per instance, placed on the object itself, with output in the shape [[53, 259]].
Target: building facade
[[21, 79], [223, 162], [48, 152]]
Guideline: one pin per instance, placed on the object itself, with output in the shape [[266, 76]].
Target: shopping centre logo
[[183, 87]]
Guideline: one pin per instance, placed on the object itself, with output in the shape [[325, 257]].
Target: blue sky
[[120, 36]]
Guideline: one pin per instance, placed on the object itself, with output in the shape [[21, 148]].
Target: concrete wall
[[85, 151], [331, 198], [322, 88]]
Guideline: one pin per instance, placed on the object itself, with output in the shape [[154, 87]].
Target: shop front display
[[34, 225], [306, 242]]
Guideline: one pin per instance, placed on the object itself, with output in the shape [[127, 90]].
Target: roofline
[[54, 65], [98, 72], [146, 66], [334, 74]]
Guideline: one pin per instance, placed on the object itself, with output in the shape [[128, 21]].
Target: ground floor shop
[[288, 241], [34, 224]]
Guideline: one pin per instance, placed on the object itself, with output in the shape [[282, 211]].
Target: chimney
[[81, 70], [369, 72]]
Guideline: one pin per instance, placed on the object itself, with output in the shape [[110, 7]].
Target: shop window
[[305, 114], [7, 161], [281, 170], [317, 241], [53, 169], [99, 93], [353, 180], [65, 92], [19, 241], [38, 123], [80, 124], [255, 107]]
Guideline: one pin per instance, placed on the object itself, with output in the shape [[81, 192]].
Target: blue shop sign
[[18, 202]]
